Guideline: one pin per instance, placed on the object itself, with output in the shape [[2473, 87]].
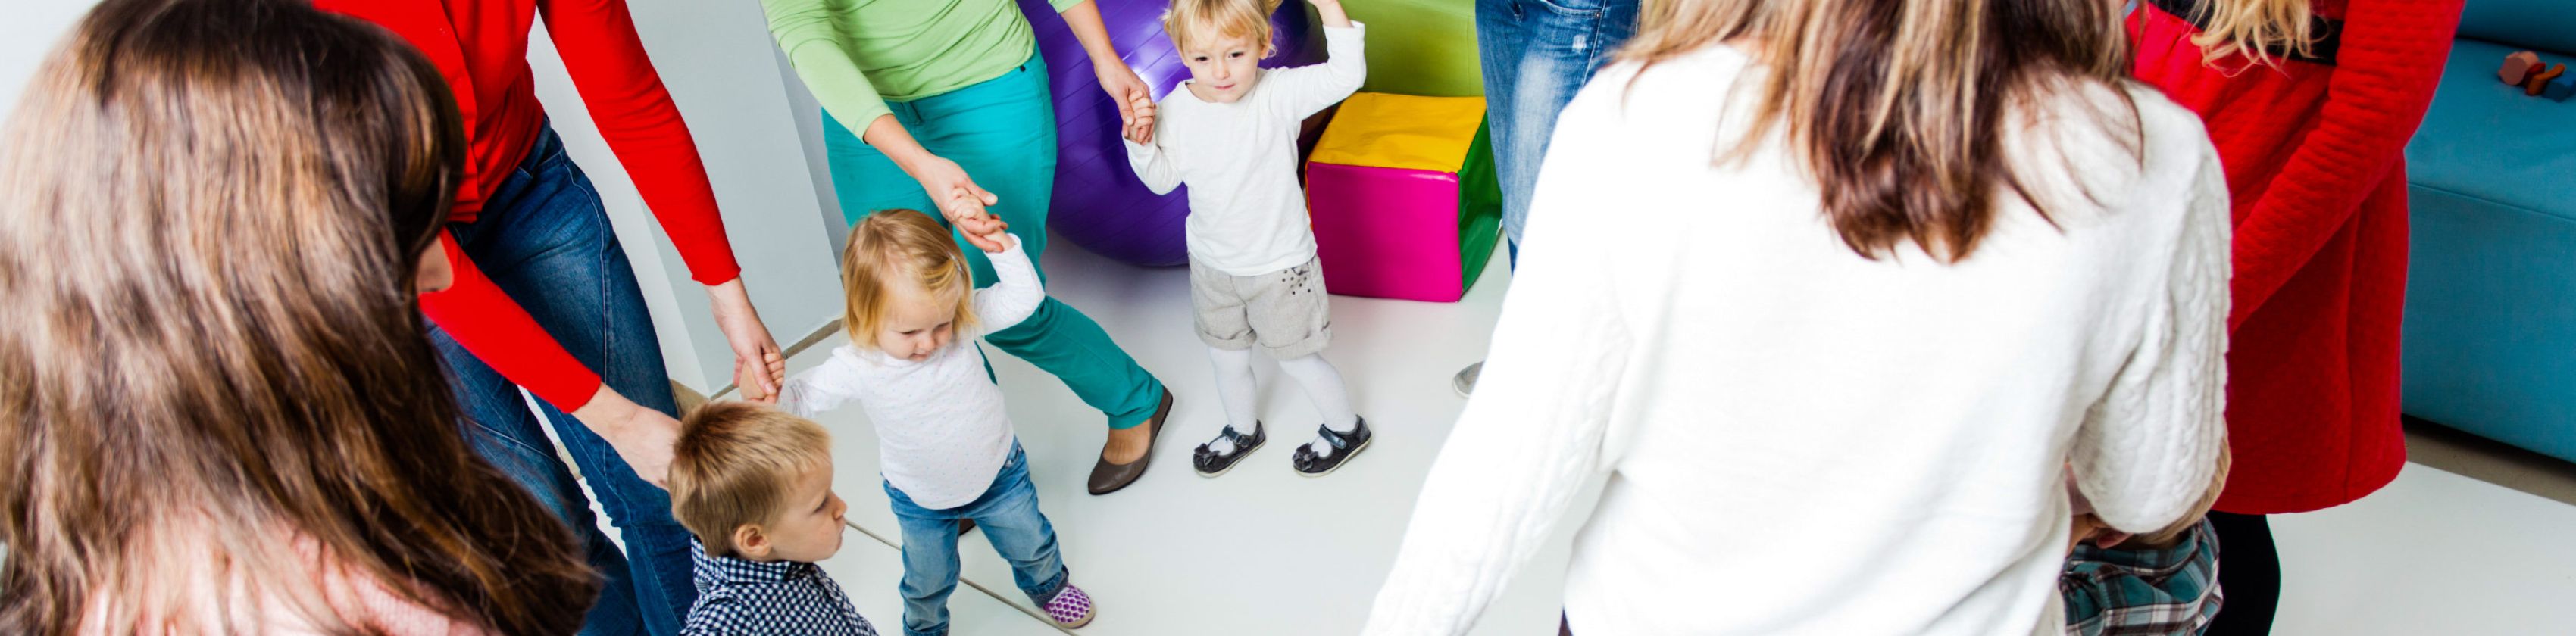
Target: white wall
[[721, 68]]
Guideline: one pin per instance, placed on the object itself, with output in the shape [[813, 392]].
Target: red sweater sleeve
[[625, 96], [2391, 60], [475, 312]]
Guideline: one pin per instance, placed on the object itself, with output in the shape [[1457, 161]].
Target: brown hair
[[216, 209], [895, 247], [733, 464], [1898, 107], [1188, 21]]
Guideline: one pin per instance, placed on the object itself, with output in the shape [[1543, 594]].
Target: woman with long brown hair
[[224, 413], [1881, 270], [2311, 103]]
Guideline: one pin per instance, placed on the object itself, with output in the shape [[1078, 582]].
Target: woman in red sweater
[[2310, 103], [544, 298]]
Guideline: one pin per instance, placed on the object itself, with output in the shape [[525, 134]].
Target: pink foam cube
[[1386, 232]]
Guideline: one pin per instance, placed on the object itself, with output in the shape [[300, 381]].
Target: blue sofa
[[2490, 334]]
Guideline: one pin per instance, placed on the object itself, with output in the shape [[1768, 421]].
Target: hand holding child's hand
[[1142, 130], [747, 382]]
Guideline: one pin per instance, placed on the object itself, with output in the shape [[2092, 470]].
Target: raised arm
[[2391, 59], [1016, 292], [1152, 165], [1306, 89]]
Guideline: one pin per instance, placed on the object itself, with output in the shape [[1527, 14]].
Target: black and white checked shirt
[[740, 596]]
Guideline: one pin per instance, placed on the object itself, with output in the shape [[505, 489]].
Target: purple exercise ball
[[1098, 203]]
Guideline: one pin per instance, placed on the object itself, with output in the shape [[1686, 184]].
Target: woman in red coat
[[2312, 138]]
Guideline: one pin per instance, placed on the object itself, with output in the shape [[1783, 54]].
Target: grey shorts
[[1282, 312]]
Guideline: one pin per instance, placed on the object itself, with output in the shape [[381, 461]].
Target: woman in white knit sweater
[[1835, 290]]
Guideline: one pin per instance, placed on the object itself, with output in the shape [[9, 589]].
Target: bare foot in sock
[[1126, 445]]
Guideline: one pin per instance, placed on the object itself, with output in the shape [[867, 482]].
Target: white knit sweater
[[942, 433], [1803, 441]]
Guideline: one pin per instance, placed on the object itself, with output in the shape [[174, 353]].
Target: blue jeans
[[1536, 54], [544, 238], [1008, 514]]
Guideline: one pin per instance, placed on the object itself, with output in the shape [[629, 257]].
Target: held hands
[[1141, 130], [1135, 102], [747, 383], [961, 201], [758, 367]]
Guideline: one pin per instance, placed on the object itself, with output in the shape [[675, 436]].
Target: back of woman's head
[[1901, 109], [215, 210]]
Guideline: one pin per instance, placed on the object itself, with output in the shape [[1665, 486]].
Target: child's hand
[[992, 243], [1331, 12], [1142, 130], [746, 382]]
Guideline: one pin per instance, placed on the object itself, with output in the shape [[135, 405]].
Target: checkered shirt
[[2172, 590], [739, 596]]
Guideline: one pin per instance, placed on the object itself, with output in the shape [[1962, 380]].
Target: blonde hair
[[1189, 22], [215, 212], [1897, 108], [898, 247], [2256, 29], [733, 465]]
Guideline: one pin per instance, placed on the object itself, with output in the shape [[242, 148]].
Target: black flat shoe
[[1345, 446], [1108, 478], [1211, 463]]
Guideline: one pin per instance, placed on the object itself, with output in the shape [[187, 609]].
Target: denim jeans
[[544, 238], [1002, 131], [1536, 54], [1008, 514]]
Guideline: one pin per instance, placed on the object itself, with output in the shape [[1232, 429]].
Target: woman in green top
[[938, 90]]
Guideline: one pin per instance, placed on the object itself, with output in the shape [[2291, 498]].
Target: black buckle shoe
[[1211, 463], [1345, 446]]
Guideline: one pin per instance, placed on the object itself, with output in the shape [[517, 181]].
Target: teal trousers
[[1002, 131]]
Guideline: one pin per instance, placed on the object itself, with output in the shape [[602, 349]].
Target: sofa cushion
[[2486, 140], [2546, 25]]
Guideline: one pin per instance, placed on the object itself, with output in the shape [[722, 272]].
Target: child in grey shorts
[[1230, 132]]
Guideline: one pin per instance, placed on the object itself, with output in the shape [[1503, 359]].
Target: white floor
[[1264, 551]]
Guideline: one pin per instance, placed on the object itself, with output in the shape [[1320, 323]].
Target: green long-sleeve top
[[856, 55]]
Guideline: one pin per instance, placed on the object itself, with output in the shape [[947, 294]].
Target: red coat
[[482, 48], [2315, 167]]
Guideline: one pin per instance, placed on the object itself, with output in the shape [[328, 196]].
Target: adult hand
[[753, 348], [959, 199], [1127, 91], [642, 436]]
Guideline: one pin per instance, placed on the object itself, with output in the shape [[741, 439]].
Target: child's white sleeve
[[2146, 454], [1304, 90], [822, 388], [1152, 165], [1015, 293]]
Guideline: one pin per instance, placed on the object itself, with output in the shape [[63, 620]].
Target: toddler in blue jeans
[[945, 445]]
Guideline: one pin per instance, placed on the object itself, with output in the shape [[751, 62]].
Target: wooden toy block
[[2517, 67], [2560, 89], [2540, 79]]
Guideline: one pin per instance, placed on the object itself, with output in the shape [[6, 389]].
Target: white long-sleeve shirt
[[1803, 441], [1247, 214], [942, 433]]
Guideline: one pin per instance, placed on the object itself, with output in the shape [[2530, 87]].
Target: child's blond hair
[[1201, 21], [896, 247], [733, 465]]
